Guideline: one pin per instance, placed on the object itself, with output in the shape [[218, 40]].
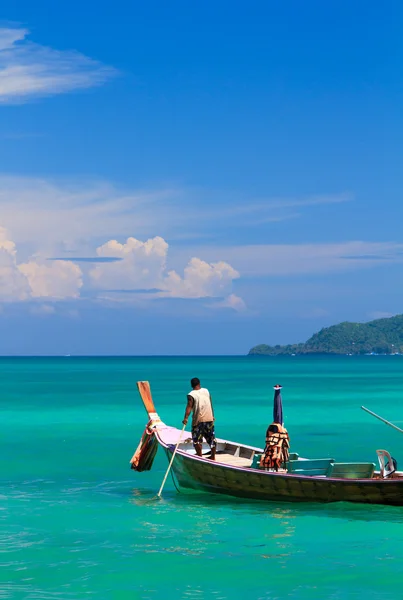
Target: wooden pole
[[381, 419], [171, 461]]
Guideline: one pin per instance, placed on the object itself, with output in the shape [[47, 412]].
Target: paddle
[[171, 461], [381, 419]]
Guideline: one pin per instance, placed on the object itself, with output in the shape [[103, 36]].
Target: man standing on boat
[[199, 402]]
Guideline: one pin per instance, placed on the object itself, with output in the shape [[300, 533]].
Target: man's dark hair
[[194, 382]]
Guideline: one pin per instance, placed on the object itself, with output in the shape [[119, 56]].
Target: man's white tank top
[[202, 409]]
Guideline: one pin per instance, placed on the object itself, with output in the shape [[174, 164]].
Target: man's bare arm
[[189, 408]]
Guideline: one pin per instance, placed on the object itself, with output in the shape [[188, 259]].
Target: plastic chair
[[387, 464]]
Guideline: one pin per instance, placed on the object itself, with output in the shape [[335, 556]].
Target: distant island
[[382, 336]]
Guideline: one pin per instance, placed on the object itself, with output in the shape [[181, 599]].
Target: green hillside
[[383, 336]]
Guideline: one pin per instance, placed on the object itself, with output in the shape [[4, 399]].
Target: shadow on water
[[193, 500]]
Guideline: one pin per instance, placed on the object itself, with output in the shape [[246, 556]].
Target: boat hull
[[217, 477], [209, 476]]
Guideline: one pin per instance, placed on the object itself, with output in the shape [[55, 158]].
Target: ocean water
[[76, 522]]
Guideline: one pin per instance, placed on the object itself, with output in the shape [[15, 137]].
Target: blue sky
[[197, 178]]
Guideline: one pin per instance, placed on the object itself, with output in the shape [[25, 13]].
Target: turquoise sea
[[76, 522]]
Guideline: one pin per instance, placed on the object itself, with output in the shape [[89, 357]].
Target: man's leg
[[197, 438], [209, 434], [198, 448]]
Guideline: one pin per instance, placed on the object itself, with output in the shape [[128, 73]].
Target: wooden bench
[[351, 470]]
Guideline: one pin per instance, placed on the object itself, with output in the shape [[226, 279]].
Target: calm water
[[75, 522]]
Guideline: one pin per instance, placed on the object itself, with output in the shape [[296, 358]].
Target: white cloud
[[143, 267], [13, 284], [35, 278], [5, 243], [232, 301], [200, 280], [61, 219], [57, 280], [28, 69], [9, 36]]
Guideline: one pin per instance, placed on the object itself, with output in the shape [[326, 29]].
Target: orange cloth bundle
[[143, 458]]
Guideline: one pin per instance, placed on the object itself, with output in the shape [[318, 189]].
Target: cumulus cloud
[[13, 284], [28, 69], [143, 265], [200, 280], [233, 302], [139, 267], [6, 244], [56, 280], [35, 278]]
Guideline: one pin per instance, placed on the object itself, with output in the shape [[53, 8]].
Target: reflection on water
[[211, 525], [197, 592]]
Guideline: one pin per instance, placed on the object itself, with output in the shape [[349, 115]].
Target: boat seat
[[387, 463], [310, 467], [351, 470], [293, 456]]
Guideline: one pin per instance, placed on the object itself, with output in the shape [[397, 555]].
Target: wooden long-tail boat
[[235, 471]]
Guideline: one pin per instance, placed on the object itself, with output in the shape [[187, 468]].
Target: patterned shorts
[[206, 431]]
